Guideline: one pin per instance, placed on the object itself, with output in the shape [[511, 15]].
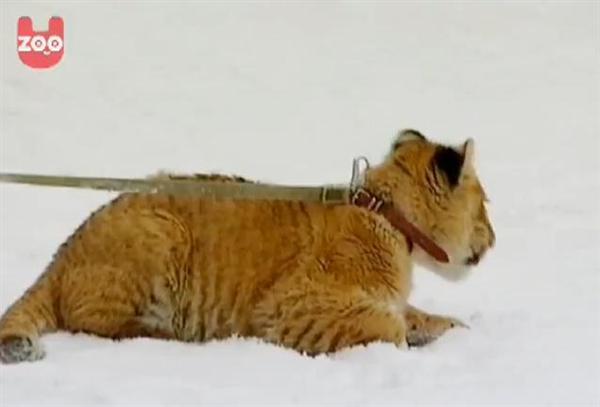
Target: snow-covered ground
[[290, 93]]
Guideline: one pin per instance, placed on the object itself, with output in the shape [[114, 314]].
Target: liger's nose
[[474, 259]]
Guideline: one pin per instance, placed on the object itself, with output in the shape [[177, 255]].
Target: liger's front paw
[[427, 328]]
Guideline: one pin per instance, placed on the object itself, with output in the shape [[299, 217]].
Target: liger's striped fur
[[310, 277]]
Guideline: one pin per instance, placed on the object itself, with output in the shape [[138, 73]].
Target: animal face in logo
[[40, 49]]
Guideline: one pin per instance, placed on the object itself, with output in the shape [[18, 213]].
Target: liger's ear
[[453, 162], [407, 135], [468, 150]]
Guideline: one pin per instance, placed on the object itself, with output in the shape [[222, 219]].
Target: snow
[[291, 93]]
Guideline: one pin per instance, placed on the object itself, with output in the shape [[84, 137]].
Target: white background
[[290, 92]]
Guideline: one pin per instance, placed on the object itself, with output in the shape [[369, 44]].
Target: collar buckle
[[362, 197]]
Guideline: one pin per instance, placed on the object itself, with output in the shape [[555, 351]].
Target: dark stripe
[[201, 332], [235, 294], [201, 325], [335, 341], [303, 333], [284, 333], [185, 316], [436, 176], [356, 311], [212, 306], [316, 339], [432, 183], [402, 166], [319, 334]]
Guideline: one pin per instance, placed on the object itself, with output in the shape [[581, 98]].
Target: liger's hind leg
[[114, 303], [127, 274], [29, 317]]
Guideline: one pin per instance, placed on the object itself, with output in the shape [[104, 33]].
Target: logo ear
[[56, 26], [25, 26]]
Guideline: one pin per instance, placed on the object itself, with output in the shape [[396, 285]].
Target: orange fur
[[312, 277]]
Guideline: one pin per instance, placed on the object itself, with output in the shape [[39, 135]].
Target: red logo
[[40, 50]]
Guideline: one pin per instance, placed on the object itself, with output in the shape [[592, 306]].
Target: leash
[[327, 194], [183, 186], [202, 187]]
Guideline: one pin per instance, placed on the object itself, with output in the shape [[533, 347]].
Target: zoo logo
[[40, 50]]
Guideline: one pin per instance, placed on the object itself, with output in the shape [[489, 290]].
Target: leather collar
[[365, 199]]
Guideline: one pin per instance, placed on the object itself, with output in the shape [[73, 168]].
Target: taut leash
[[199, 187]]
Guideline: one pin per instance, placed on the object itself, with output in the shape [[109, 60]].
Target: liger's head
[[437, 188]]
